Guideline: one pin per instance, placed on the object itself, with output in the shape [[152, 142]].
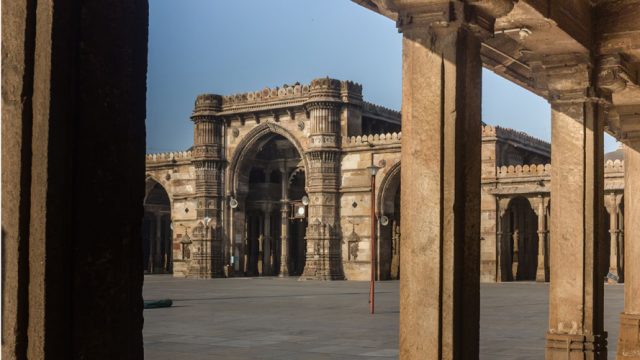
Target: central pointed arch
[[266, 175], [247, 145]]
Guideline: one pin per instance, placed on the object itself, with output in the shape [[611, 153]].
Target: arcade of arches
[[268, 174], [65, 297]]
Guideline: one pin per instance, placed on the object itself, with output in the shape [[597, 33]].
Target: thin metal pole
[[373, 245]]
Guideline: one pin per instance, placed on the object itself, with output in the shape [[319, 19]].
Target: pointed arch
[[387, 190], [248, 145]]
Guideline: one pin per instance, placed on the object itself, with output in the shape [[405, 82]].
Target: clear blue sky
[[225, 47]]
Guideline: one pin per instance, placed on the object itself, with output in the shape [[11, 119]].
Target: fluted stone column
[[576, 328], [323, 257], [441, 133], [629, 339], [209, 165]]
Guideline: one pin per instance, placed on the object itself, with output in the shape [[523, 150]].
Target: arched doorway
[[520, 241], [389, 229], [270, 178], [156, 230]]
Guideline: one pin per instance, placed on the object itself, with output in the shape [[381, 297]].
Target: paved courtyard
[[272, 318]]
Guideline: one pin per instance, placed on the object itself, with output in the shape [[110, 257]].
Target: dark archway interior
[[156, 231], [275, 177], [520, 241], [390, 234]]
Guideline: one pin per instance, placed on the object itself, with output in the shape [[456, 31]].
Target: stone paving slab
[[275, 318]]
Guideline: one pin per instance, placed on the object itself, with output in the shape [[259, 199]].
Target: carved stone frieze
[[613, 73]]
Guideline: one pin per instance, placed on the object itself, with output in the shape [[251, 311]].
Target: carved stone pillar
[[576, 329], [284, 223], [209, 165], [629, 340], [612, 209], [541, 211], [323, 258], [503, 234], [266, 244], [440, 267]]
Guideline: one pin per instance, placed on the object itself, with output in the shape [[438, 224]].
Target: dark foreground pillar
[[73, 145]]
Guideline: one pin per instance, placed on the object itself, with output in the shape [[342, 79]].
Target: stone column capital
[[611, 202], [444, 17], [568, 78]]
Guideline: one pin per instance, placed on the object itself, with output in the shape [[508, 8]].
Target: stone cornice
[[612, 168], [292, 94], [172, 156], [372, 140], [490, 132], [380, 112]]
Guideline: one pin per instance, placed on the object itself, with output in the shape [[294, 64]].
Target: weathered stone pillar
[[209, 165], [284, 230], [629, 340], [541, 212], [323, 258], [64, 297], [612, 209], [576, 328], [441, 134]]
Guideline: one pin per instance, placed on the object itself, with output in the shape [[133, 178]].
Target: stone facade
[[71, 290], [312, 141]]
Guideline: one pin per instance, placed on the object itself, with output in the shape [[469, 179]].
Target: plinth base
[[576, 347], [629, 339]]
